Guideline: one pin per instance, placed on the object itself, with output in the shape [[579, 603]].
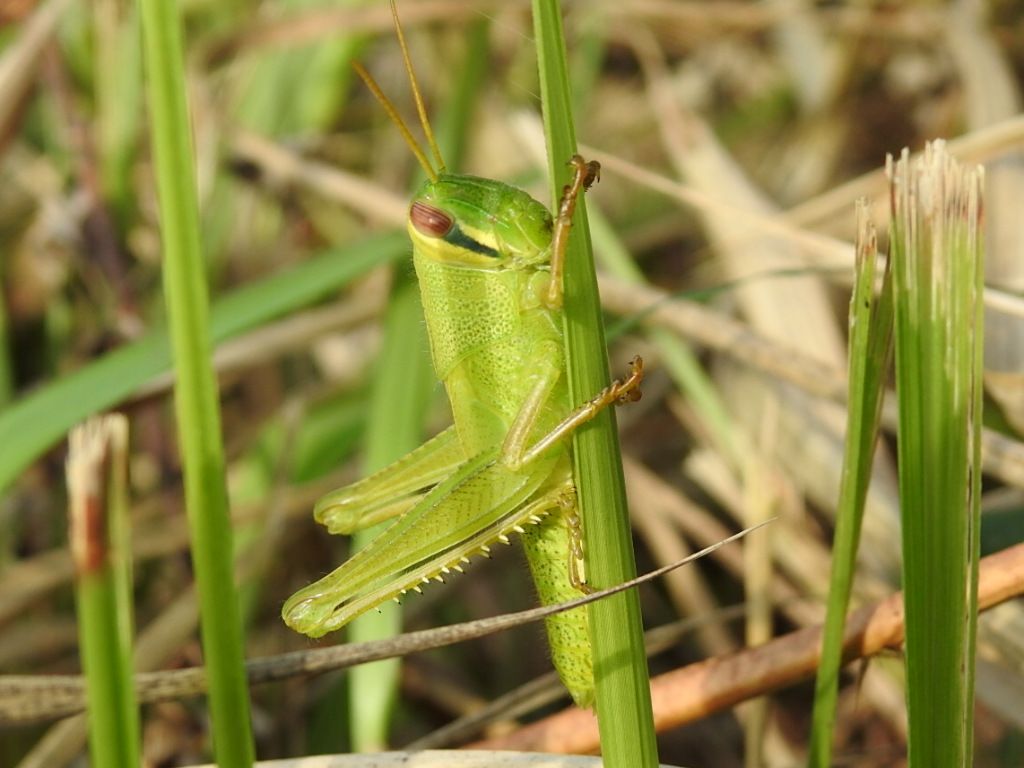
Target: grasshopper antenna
[[397, 120], [416, 91]]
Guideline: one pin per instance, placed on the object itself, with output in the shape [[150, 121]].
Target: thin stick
[[33, 698]]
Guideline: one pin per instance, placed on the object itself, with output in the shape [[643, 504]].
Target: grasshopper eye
[[430, 221]]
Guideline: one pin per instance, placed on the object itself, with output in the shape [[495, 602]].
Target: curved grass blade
[[38, 421]]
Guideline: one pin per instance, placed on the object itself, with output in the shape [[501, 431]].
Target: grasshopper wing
[[472, 508]]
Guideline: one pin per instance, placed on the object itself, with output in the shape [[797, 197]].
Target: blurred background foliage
[[735, 138]]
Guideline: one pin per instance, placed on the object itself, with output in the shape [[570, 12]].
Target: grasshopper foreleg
[[584, 175], [515, 452], [618, 392]]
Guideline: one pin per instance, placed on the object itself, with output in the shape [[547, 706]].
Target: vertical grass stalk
[[195, 392], [869, 358], [33, 423], [937, 280], [97, 477], [118, 92], [620, 664], [403, 380]]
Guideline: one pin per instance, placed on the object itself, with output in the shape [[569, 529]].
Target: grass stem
[[196, 402], [620, 665], [97, 475]]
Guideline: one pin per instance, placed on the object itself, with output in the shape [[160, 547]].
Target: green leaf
[[38, 421]]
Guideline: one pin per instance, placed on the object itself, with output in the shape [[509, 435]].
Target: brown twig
[[692, 692]]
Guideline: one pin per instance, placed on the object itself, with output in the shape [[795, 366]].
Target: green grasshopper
[[489, 260]]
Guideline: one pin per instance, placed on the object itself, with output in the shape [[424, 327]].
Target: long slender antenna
[[416, 91], [385, 102]]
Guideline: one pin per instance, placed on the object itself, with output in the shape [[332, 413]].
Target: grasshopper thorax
[[481, 223]]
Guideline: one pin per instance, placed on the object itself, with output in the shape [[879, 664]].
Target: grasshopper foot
[[628, 391], [586, 174], [619, 392]]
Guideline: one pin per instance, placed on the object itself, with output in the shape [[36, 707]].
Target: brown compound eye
[[430, 221]]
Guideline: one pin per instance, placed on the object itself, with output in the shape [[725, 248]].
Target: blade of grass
[[327, 82], [97, 476], [623, 689], [118, 75], [36, 422], [195, 391], [403, 382], [937, 282], [869, 356]]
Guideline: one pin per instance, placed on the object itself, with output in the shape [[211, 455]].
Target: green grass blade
[[403, 382], [329, 77], [36, 422], [869, 358], [195, 392], [623, 689], [937, 273], [118, 78], [456, 121], [97, 475]]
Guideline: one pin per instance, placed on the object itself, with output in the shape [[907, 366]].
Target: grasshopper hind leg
[[394, 489]]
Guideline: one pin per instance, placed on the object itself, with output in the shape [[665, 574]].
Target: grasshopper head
[[474, 222]]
